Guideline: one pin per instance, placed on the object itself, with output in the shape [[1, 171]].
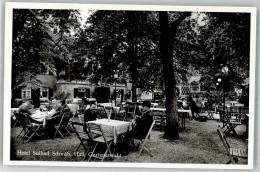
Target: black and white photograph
[[129, 86]]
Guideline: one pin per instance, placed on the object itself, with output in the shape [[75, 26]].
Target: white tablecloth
[[73, 108], [179, 110], [113, 128]]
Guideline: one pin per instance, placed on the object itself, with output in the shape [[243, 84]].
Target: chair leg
[[67, 131], [20, 133], [57, 130], [92, 152], [30, 137], [86, 153], [142, 147]]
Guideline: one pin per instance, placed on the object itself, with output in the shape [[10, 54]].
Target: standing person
[[142, 127], [193, 107]]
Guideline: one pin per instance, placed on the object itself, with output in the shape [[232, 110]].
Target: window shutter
[[87, 92], [35, 97], [17, 93], [75, 92], [50, 93]]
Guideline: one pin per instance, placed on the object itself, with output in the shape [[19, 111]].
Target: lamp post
[[115, 77], [222, 82]]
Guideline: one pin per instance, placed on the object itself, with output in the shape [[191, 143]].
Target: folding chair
[[159, 118], [30, 129], [233, 153], [210, 111], [131, 110], [83, 135], [222, 111], [19, 121], [143, 141], [100, 112], [95, 129], [63, 125], [120, 115], [232, 120]]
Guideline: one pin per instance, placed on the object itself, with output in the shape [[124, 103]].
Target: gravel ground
[[198, 144]]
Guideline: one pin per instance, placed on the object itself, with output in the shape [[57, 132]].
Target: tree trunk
[[133, 54], [68, 73], [166, 48]]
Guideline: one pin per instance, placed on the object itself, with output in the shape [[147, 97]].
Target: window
[[44, 92], [81, 92], [26, 93]]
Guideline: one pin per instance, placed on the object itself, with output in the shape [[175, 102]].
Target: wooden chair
[[83, 135], [232, 120], [222, 111], [121, 115], [131, 110], [100, 112], [143, 141], [97, 136], [19, 121], [210, 111], [30, 129], [233, 153], [62, 127], [159, 118], [244, 112]]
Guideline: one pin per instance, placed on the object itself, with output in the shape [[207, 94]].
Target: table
[[154, 104], [113, 128], [179, 110], [180, 114]]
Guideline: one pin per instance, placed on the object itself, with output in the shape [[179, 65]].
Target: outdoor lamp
[[219, 79], [217, 83], [115, 77]]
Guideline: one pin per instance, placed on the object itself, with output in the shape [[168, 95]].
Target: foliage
[[41, 38], [225, 43], [123, 42]]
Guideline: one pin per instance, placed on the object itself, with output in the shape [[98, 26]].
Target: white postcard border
[[8, 66]]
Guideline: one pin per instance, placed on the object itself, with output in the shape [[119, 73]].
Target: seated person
[[25, 107], [142, 127], [41, 117], [185, 105], [64, 107], [88, 114]]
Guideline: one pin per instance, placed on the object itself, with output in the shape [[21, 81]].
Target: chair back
[[130, 108], [99, 112], [221, 108], [94, 130], [25, 120], [80, 130], [20, 117], [65, 118], [235, 114], [225, 142]]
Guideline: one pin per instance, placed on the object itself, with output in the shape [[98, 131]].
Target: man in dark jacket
[[142, 127]]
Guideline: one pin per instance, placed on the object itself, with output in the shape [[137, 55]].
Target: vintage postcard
[[129, 86]]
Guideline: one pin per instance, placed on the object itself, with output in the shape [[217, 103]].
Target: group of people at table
[[142, 121], [43, 115]]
